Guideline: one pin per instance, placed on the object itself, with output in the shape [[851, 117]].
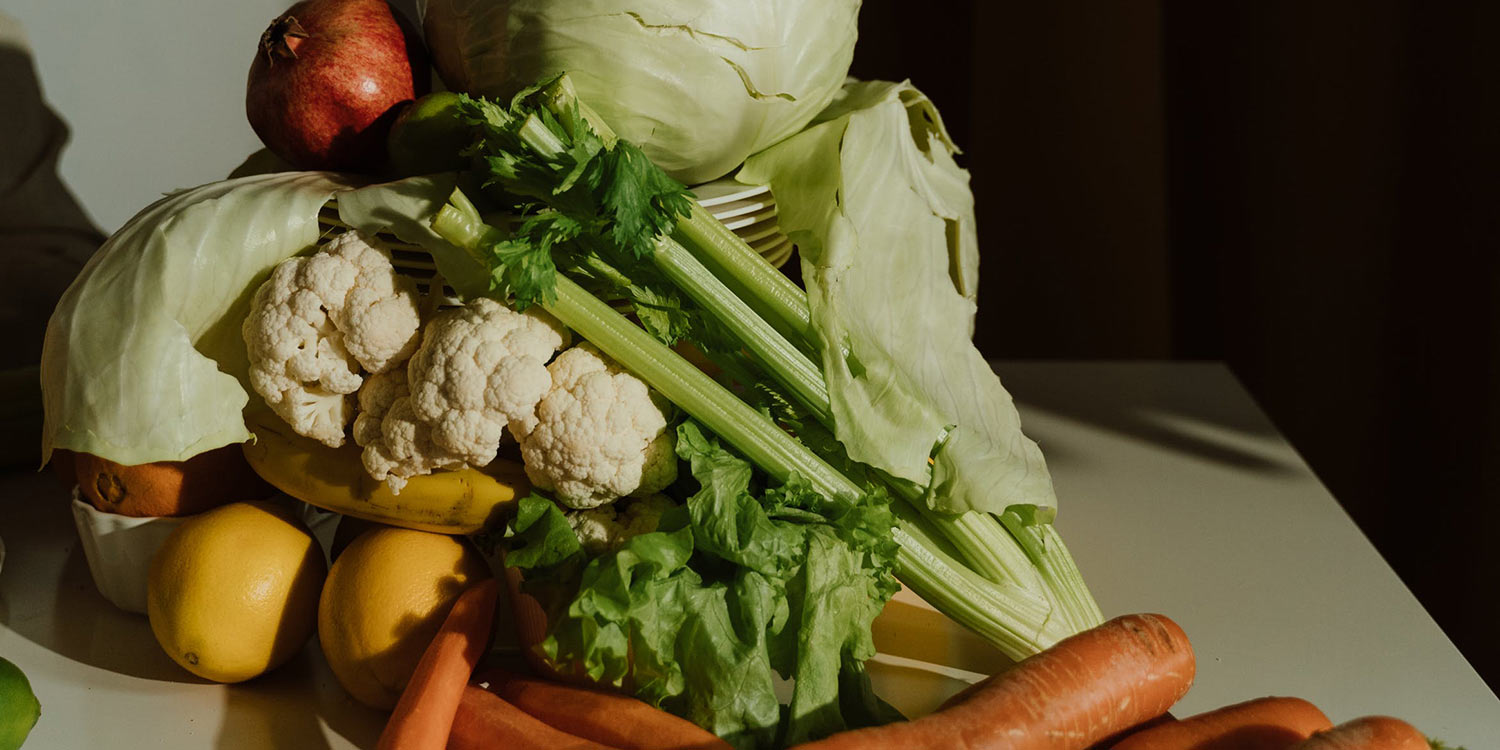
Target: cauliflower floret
[[599, 434], [315, 321], [607, 527], [376, 397], [379, 316], [480, 367], [397, 445]]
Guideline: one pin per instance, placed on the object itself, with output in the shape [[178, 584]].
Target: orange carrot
[[486, 722], [609, 718], [424, 714], [1260, 724], [1367, 733], [1083, 689]]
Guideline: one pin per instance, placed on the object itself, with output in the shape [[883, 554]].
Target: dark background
[[1304, 190]]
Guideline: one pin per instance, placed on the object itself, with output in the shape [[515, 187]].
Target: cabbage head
[[699, 85]]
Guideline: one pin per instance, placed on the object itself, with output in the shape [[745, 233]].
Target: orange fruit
[[233, 592], [385, 598]]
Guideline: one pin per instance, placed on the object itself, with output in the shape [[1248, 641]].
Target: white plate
[[741, 207], [768, 243], [740, 222], [758, 231], [780, 255], [723, 191]]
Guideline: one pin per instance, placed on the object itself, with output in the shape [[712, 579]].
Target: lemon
[[233, 592], [19, 708], [385, 599]]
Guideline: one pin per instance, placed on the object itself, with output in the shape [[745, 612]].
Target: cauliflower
[[599, 434], [397, 444], [316, 321], [478, 367], [605, 528]]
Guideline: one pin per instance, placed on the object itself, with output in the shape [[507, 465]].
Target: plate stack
[[749, 210]]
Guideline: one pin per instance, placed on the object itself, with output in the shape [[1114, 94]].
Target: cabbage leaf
[[884, 220], [143, 358], [699, 86]]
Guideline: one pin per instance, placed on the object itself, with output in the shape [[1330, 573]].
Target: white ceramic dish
[[740, 222], [723, 191], [119, 549], [743, 206], [770, 243]]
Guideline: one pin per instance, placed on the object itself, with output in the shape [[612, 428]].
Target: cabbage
[[143, 359], [698, 85], [884, 220]]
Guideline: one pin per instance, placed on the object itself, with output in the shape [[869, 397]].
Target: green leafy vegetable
[[1004, 575], [703, 615], [880, 212], [143, 359]]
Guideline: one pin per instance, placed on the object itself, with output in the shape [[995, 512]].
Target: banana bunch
[[450, 502]]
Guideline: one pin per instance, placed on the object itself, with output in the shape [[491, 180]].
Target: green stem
[[759, 439], [768, 291], [1012, 618], [1056, 567], [780, 358]]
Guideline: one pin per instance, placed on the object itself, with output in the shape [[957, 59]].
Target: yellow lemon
[[385, 598], [233, 592]]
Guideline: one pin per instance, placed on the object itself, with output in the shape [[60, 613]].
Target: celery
[[1008, 578]]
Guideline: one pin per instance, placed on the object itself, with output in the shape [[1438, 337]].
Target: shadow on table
[[81, 624], [1182, 409], [284, 708]]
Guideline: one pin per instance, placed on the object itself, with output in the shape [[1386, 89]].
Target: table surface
[[1178, 496]]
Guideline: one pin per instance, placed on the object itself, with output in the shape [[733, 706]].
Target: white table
[[1178, 497]]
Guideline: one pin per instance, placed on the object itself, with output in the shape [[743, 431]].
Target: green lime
[[19, 708], [428, 135]]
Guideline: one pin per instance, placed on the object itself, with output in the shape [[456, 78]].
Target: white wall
[[153, 90]]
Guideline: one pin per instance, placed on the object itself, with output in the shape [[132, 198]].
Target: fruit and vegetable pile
[[492, 328]]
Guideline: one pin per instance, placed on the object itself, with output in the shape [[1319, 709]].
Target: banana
[[449, 502]]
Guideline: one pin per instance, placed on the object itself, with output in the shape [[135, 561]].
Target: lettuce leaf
[[732, 591], [884, 221]]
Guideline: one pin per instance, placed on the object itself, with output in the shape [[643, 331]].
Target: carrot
[[424, 714], [609, 718], [486, 722], [1108, 743], [1083, 689], [1260, 724], [1367, 733]]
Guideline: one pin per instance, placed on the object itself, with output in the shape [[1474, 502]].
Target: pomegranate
[[328, 79]]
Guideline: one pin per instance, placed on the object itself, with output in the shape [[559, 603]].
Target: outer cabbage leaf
[[884, 220], [143, 359], [700, 85]]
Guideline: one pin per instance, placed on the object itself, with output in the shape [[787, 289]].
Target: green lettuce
[[143, 359], [738, 587], [884, 220]]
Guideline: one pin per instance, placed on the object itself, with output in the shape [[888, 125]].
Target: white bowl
[[119, 549]]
